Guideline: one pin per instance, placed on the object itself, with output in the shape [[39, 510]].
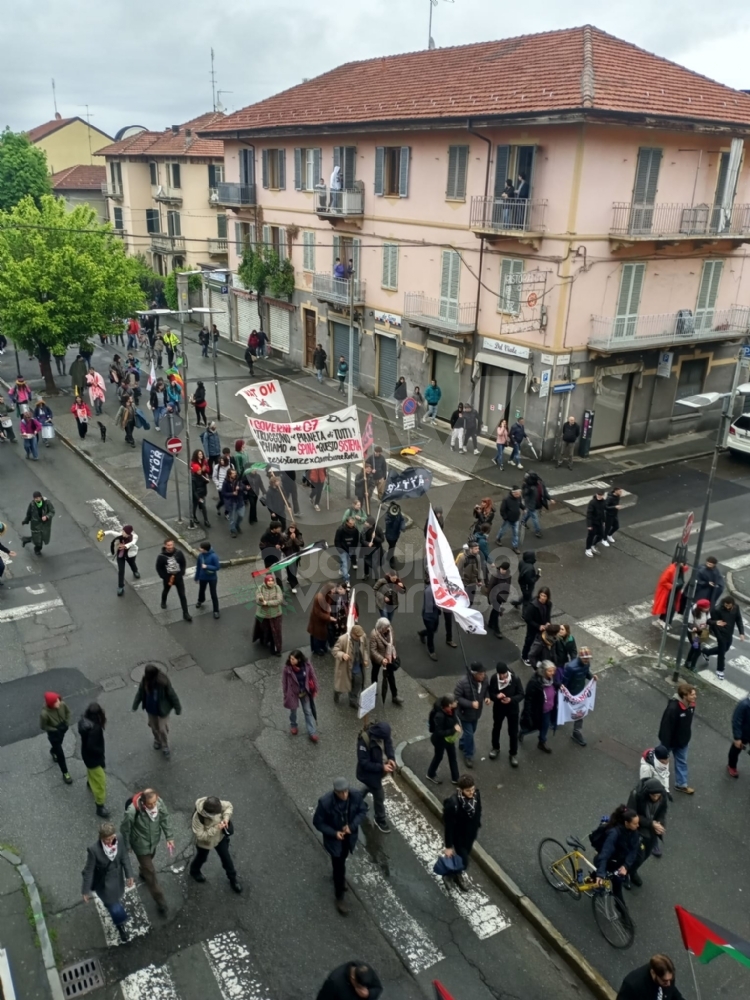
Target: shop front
[[501, 376]]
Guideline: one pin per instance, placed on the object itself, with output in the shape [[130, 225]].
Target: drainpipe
[[481, 256]]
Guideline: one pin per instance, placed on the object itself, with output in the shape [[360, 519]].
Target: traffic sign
[[566, 387], [409, 406], [746, 351], [174, 446], [689, 521], [410, 422]]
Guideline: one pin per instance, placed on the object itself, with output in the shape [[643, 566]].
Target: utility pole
[[176, 463], [350, 391], [183, 301]]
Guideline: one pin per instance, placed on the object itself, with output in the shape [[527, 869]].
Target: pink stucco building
[[520, 215]]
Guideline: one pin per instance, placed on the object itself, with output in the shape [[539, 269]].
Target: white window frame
[[389, 277], [308, 250], [509, 302]]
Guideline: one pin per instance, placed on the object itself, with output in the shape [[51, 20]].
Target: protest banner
[[262, 396], [445, 580], [572, 707], [409, 483], [315, 443]]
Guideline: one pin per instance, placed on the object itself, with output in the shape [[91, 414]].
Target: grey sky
[[146, 62]]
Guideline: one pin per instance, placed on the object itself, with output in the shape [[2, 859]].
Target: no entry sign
[[174, 446]]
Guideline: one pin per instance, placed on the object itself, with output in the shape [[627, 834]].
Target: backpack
[[431, 717], [599, 835]]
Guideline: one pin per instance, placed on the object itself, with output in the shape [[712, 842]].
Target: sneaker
[[513, 761], [167, 752], [383, 827], [293, 730], [577, 737], [476, 451], [469, 762], [719, 675], [435, 780], [451, 643], [433, 656], [685, 789], [124, 936], [605, 543], [732, 772], [314, 737], [595, 550], [519, 466], [589, 553], [658, 623], [67, 779], [493, 754], [317, 508], [526, 663], [342, 907], [294, 590], [611, 540], [120, 591]]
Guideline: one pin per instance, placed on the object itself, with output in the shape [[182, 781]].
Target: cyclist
[[617, 843]]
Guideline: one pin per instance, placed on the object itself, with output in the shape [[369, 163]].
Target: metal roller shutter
[[220, 318], [247, 317], [449, 380], [341, 346], [387, 366], [280, 323]]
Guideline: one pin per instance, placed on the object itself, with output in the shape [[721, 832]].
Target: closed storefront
[[613, 392], [503, 382], [221, 304], [247, 317], [341, 346], [280, 324], [448, 379], [387, 365]]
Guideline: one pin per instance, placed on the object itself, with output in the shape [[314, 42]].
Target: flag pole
[[367, 491], [461, 641], [695, 978]]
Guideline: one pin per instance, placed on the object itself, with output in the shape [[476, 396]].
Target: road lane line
[[137, 925], [601, 628], [585, 484], [484, 918], [740, 542], [154, 982], [658, 520], [737, 562], [580, 501], [727, 687], [233, 971], [642, 610], [29, 610], [674, 533], [741, 663]]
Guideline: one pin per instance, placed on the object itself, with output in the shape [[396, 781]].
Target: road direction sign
[[174, 446], [409, 406], [565, 387]]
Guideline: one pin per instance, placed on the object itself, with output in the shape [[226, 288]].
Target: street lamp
[[701, 402]]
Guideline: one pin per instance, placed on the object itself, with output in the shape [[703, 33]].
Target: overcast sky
[[147, 62]]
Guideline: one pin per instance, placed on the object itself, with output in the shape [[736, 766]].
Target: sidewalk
[[27, 962]]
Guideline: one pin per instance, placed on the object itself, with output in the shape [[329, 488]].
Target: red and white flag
[[151, 376], [445, 580], [352, 616]]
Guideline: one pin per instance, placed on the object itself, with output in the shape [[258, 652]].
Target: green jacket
[[274, 600], [168, 699], [40, 530], [53, 720], [141, 833]]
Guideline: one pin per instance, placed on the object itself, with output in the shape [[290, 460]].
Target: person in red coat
[[663, 590]]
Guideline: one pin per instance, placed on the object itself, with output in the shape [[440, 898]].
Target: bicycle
[[572, 872]]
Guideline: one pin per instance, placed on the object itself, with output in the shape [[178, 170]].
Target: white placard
[[562, 359], [548, 359], [262, 396], [410, 422], [367, 701], [315, 443], [572, 707]]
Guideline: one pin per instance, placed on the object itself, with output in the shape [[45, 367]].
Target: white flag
[[351, 617], [263, 396], [151, 376], [571, 707], [445, 580]]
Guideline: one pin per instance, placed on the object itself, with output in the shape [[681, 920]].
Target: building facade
[[545, 225], [82, 185], [162, 193], [68, 142]]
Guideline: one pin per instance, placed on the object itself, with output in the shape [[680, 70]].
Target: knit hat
[[2, 527], [502, 668], [50, 699], [661, 752], [127, 529], [340, 784], [704, 604], [476, 667]]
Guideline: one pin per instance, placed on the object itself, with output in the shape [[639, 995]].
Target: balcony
[[218, 247], [442, 315], [171, 195], [509, 217], [213, 196], [631, 333], [675, 222], [160, 243], [337, 291], [347, 204], [111, 189], [235, 195]]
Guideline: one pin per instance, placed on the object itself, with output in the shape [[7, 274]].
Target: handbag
[[448, 865], [395, 663], [6, 422]]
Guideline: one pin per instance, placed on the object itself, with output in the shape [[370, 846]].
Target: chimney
[[176, 129], [188, 132]]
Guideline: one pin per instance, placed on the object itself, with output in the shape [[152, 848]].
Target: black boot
[[102, 811], [235, 884], [124, 936]]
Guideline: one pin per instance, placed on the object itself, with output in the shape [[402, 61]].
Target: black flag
[[410, 483]]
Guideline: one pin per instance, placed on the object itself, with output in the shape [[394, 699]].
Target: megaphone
[[394, 509]]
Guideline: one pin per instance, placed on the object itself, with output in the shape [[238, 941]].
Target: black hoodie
[[528, 574], [92, 742]]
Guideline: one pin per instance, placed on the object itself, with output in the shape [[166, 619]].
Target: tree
[[195, 283], [152, 284], [263, 270], [23, 170], [64, 278]]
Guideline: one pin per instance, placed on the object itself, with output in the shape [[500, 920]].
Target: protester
[[351, 656], [432, 395], [320, 361], [386, 591], [510, 512], [30, 429], [254, 490], [82, 413], [338, 816], [207, 568], [349, 981], [106, 874], [146, 819], [276, 502], [570, 434], [535, 498], [269, 601], [20, 395], [567, 647], [170, 566], [7, 551], [211, 444], [212, 827], [663, 591], [740, 734], [595, 523], [471, 428], [502, 438], [537, 615], [233, 498], [383, 655], [346, 542], [200, 405], [617, 846], [91, 730], [400, 392], [698, 630], [517, 436], [675, 732], [123, 549], [157, 698], [372, 548], [125, 419], [505, 692], [379, 469], [200, 473], [726, 618], [471, 694], [97, 390], [546, 647], [612, 508], [364, 486], [299, 684], [462, 818], [219, 475], [540, 704], [575, 676], [342, 370], [357, 513], [395, 525], [498, 592], [78, 371], [39, 516], [709, 582], [43, 414], [445, 731], [376, 759], [472, 566], [6, 422], [292, 545], [653, 981], [320, 620], [55, 722], [649, 800], [457, 428], [270, 545]]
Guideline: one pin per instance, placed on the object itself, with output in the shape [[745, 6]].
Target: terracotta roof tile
[[35, 134], [543, 73], [82, 177], [170, 143]]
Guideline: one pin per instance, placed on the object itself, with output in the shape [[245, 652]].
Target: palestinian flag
[[290, 560], [440, 991], [707, 940]]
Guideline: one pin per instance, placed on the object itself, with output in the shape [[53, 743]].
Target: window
[[117, 218], [153, 220], [348, 250], [690, 383], [307, 168], [274, 169], [153, 169], [115, 172], [390, 266], [511, 269], [247, 166], [215, 174], [451, 265], [707, 292], [631, 285], [173, 223], [221, 226], [274, 238], [345, 158], [244, 237], [510, 163], [174, 170], [308, 251], [458, 159], [644, 189], [392, 170]]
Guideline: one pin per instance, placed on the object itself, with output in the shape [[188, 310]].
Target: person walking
[[727, 617], [528, 574], [472, 567], [342, 370], [207, 568], [372, 548], [212, 828], [462, 818], [505, 692], [575, 676], [400, 393], [270, 545], [430, 619], [675, 731], [299, 684], [200, 475], [498, 592], [43, 414], [595, 523], [55, 722], [125, 419], [317, 479], [653, 981], [82, 412], [320, 362], [346, 542], [233, 498], [709, 583], [535, 498], [254, 491], [570, 434], [20, 395], [471, 694], [394, 526], [7, 551], [200, 404], [320, 620], [537, 614], [612, 508], [106, 874], [740, 735], [432, 396], [445, 731], [457, 428], [145, 821], [660, 605], [123, 549], [30, 429], [219, 474], [517, 436], [6, 421], [510, 512], [351, 658], [337, 817], [170, 566], [376, 759], [649, 800], [78, 372], [39, 516], [699, 619], [269, 601], [540, 704], [547, 647], [97, 390], [471, 428], [351, 980], [502, 439], [158, 699], [211, 444], [91, 730], [383, 655], [356, 513], [386, 592]]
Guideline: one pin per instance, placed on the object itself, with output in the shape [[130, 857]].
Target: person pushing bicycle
[[617, 843]]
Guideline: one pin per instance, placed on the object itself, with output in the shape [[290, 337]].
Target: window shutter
[[264, 168], [458, 157], [390, 265], [510, 293], [722, 178], [211, 175], [379, 166], [452, 166], [350, 163], [336, 250], [247, 167], [283, 244], [251, 235], [221, 226], [176, 175], [317, 166], [238, 238], [707, 293], [282, 169], [631, 285], [356, 244], [308, 251], [297, 169], [646, 176], [502, 163], [403, 180], [266, 237]]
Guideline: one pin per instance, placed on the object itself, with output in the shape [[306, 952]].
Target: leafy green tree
[[23, 170], [264, 271], [170, 286], [64, 278], [151, 283]]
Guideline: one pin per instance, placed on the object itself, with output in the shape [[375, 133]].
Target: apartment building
[[546, 225], [162, 193], [68, 142]]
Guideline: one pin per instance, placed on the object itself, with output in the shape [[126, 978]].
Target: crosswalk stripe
[[580, 501], [738, 541], [602, 628], [154, 982], [232, 968], [29, 610], [451, 474], [737, 562], [658, 520], [585, 484], [674, 533], [137, 925], [727, 687], [741, 663], [484, 918]]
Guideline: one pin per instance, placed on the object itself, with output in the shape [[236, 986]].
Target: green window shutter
[[238, 238], [394, 266], [264, 168], [628, 301], [350, 166], [266, 237], [646, 176], [336, 250], [356, 245], [403, 178], [379, 169], [221, 226], [251, 235], [308, 248], [390, 266], [502, 163], [297, 169], [452, 167], [510, 292], [283, 245], [449, 276], [337, 156], [282, 169], [317, 166], [458, 157]]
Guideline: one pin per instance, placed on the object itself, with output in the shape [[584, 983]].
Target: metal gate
[[247, 317], [221, 304], [449, 381], [387, 366], [341, 346], [280, 324]]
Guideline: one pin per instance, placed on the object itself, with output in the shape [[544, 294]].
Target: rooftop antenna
[[213, 81], [88, 130], [430, 39], [54, 96], [219, 106]]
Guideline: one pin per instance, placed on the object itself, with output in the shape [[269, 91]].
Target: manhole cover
[[136, 674], [545, 556], [81, 977]]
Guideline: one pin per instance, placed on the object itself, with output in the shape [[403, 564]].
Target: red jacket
[[80, 409], [664, 587]]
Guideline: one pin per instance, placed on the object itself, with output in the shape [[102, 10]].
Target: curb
[[737, 594], [40, 924], [572, 956]]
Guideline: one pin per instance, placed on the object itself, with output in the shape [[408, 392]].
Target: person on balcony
[[521, 207], [335, 195], [339, 270]]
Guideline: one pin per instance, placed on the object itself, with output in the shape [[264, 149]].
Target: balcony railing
[[333, 204], [443, 315], [675, 221], [162, 192], [667, 329], [111, 189], [508, 215], [162, 243], [235, 195], [338, 290], [218, 247]]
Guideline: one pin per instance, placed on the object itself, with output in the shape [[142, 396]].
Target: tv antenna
[[430, 39], [88, 130], [219, 106], [54, 96], [213, 81]]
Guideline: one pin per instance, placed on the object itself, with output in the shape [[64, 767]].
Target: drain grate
[[81, 977]]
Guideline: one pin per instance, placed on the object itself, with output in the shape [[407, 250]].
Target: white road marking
[[451, 474], [29, 610], [234, 973], [105, 514], [739, 542], [659, 520], [580, 501], [152, 983], [732, 690], [741, 663], [602, 628], [674, 533], [484, 918], [737, 562], [37, 590], [137, 925], [406, 935], [642, 610], [585, 484]]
